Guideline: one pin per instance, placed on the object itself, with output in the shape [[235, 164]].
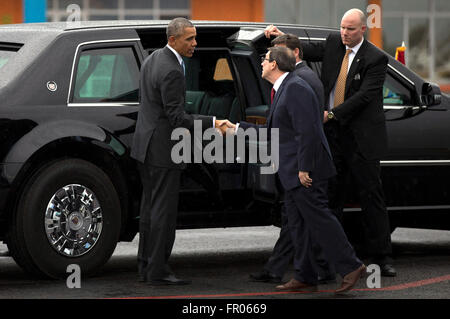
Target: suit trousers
[[312, 222], [157, 225], [352, 166], [283, 252]]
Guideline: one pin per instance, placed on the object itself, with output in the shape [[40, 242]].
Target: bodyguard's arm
[[311, 51]]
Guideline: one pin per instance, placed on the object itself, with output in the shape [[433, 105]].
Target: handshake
[[225, 127]]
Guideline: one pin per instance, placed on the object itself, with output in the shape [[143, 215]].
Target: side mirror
[[431, 94]]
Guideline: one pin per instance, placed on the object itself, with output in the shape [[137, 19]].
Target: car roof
[[41, 34], [35, 37], [84, 25]]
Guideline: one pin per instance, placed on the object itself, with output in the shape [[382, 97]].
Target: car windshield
[[5, 55]]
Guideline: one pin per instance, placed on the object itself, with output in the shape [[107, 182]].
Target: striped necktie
[[339, 92]]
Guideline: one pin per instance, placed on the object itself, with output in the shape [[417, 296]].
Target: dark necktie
[[183, 66], [272, 95]]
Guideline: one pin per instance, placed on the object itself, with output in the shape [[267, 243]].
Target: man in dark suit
[[305, 164], [353, 73], [283, 250], [162, 101]]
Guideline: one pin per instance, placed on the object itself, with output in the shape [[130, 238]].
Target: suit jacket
[[362, 109], [310, 77], [161, 109], [296, 113]]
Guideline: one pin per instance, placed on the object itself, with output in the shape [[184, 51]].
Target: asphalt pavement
[[218, 261]]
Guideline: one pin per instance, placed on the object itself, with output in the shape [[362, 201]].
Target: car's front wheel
[[68, 213]]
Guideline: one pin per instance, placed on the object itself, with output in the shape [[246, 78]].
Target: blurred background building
[[424, 25]]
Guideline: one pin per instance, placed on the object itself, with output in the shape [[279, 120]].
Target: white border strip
[[313, 39], [401, 107], [401, 74], [88, 104]]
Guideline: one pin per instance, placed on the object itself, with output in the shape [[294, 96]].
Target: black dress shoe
[[265, 276], [168, 281], [387, 270]]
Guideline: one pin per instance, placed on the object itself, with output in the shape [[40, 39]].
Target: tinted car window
[[394, 93], [5, 56], [107, 75]]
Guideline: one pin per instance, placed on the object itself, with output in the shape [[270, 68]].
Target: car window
[[394, 93], [252, 82], [5, 56], [107, 75]]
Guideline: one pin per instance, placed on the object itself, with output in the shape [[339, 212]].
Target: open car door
[[247, 45]]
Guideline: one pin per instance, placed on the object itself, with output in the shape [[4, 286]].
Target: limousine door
[[247, 46], [416, 171]]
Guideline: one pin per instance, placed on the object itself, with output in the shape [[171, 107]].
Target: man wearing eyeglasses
[[304, 170], [283, 250]]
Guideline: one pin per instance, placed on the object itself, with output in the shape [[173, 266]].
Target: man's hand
[[325, 116], [305, 179], [272, 30], [224, 125]]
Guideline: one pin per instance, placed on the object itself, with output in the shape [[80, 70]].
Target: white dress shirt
[[179, 58], [279, 81]]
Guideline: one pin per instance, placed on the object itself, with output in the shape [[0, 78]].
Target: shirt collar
[[280, 80], [355, 49], [298, 63], [179, 58]]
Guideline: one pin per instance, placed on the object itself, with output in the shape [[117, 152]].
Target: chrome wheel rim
[[73, 220]]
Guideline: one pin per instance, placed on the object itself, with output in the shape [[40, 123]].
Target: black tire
[[28, 241]]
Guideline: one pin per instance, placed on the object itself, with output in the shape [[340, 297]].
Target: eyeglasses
[[263, 58]]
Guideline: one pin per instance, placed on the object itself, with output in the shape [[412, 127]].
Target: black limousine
[[69, 94]]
